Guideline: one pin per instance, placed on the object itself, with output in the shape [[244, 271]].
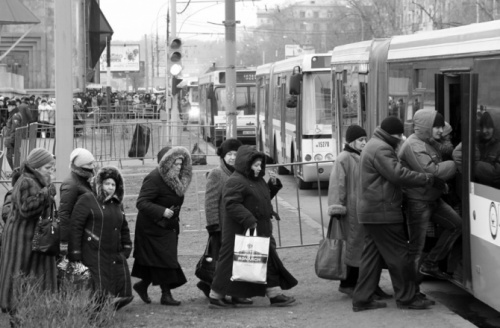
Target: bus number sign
[[241, 77], [322, 144]]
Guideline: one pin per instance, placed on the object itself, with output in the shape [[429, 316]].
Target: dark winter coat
[[155, 242], [100, 237], [14, 121], [342, 196], [247, 200], [216, 180], [71, 189], [31, 198], [417, 154], [383, 176]]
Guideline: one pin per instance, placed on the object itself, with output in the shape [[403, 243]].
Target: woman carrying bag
[[32, 199], [247, 205], [342, 193], [100, 238]]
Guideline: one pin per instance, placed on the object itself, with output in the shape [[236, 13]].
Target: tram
[[212, 100], [455, 71], [294, 120]]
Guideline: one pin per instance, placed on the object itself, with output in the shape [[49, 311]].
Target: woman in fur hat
[[216, 179], [82, 165], [32, 198], [100, 237], [157, 226]]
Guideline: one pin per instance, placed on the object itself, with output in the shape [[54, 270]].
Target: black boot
[[141, 288], [167, 298]]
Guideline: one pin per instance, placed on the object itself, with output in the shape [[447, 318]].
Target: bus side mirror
[[295, 81]]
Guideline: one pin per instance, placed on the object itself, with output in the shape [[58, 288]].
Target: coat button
[[89, 239], [116, 229]]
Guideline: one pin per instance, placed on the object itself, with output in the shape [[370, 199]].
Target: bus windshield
[[193, 95], [316, 111], [245, 100]]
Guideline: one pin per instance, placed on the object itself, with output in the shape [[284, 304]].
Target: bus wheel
[[303, 185]]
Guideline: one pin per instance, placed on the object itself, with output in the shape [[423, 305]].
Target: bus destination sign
[[241, 77]]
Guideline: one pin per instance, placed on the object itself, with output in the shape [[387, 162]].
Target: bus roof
[[308, 63], [456, 42]]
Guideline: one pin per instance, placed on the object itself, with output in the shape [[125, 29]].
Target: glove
[[52, 190], [276, 216], [439, 184], [212, 229]]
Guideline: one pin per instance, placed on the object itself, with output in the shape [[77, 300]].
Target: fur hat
[[392, 125], [38, 157], [81, 157], [354, 132], [227, 146]]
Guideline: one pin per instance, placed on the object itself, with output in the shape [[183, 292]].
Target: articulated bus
[[213, 121], [294, 120], [455, 71]]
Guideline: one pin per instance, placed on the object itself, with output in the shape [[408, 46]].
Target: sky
[[132, 19]]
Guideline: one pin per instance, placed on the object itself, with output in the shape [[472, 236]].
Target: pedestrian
[[443, 145], [216, 179], [247, 205], [14, 121], [32, 198], [424, 203], [157, 227], [100, 238], [378, 208], [342, 196], [78, 183]]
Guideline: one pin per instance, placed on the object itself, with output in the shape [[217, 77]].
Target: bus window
[[245, 100], [317, 111], [486, 143]]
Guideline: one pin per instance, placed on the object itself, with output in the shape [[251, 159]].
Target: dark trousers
[[10, 157], [351, 278], [385, 242], [418, 216]]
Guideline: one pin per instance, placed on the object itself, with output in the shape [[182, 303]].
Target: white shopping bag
[[250, 258]]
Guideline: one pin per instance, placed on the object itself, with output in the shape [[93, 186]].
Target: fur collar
[[181, 182], [106, 173]]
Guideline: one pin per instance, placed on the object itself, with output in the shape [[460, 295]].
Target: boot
[[141, 288], [167, 298]]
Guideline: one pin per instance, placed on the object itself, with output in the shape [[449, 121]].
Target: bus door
[[456, 99]]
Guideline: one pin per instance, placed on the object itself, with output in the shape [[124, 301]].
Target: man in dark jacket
[[425, 203], [75, 185], [379, 210], [13, 122]]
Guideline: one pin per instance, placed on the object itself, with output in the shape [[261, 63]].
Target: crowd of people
[[383, 192]]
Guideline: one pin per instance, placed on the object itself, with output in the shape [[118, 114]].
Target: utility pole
[[146, 64], [174, 118], [230, 24]]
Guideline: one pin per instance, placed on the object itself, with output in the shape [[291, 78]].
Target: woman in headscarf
[[157, 227], [32, 198], [100, 237], [247, 205]]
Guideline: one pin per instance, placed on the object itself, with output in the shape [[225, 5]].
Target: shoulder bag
[[46, 238], [330, 259]]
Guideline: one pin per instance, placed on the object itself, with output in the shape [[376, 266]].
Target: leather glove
[[212, 229], [439, 184], [276, 216]]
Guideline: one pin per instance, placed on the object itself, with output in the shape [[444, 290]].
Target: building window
[[302, 14], [316, 14]]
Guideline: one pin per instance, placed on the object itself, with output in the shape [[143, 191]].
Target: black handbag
[[46, 238], [205, 269]]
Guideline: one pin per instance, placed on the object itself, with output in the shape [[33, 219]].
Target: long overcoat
[[31, 199], [342, 196], [247, 200], [156, 237], [100, 238]]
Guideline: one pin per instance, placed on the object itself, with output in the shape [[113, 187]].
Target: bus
[[456, 72], [189, 100], [294, 117], [212, 94]]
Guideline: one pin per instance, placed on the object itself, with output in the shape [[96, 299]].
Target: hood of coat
[[245, 156], [106, 173], [178, 182], [423, 120]]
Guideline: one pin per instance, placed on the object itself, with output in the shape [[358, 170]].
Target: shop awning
[[99, 30]]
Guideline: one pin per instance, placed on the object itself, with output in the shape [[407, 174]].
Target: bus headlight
[[318, 157], [308, 157], [329, 157]]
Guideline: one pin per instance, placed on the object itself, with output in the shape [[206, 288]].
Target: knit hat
[[38, 157], [81, 157], [392, 125], [162, 152], [354, 132], [447, 129], [227, 146], [438, 121]]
